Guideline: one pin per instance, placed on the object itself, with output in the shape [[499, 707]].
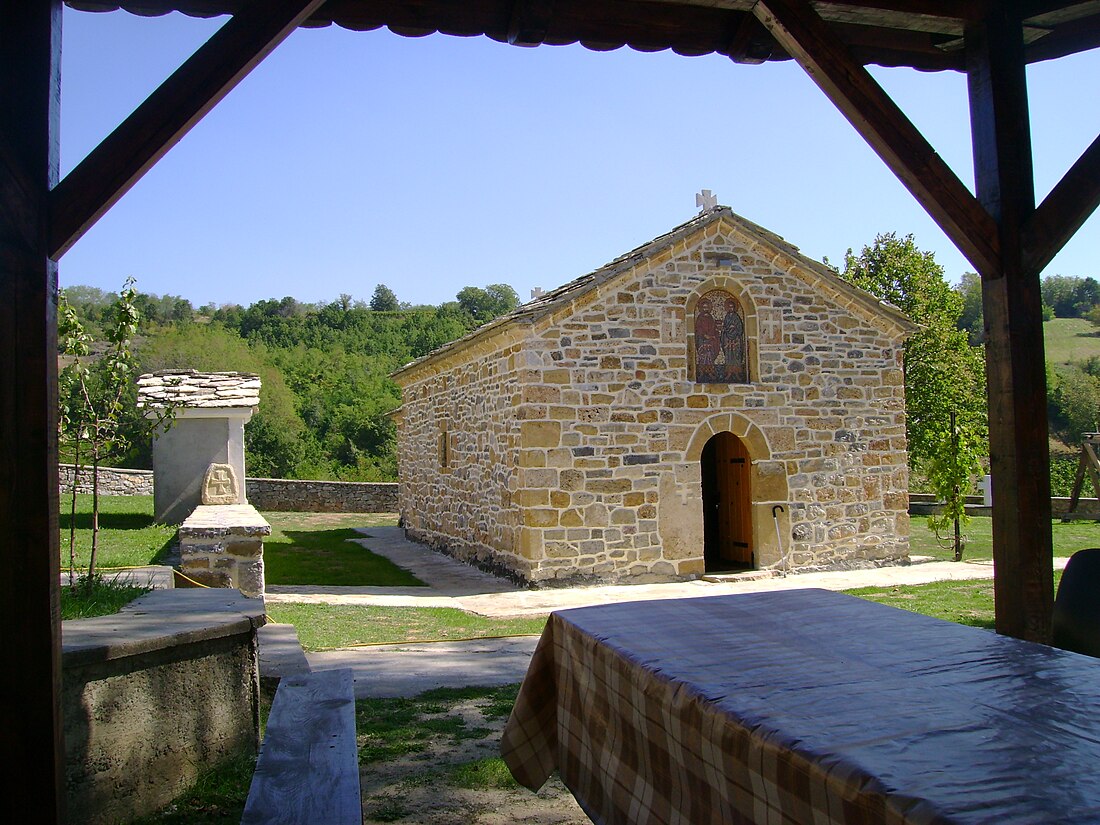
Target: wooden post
[[30, 91], [1015, 368], [1007, 240]]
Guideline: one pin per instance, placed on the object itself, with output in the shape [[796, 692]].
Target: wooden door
[[734, 500], [727, 502]]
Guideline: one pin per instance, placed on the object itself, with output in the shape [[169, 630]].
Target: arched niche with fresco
[[720, 339]]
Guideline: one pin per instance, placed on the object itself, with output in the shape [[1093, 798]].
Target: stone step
[[280, 655], [740, 576]]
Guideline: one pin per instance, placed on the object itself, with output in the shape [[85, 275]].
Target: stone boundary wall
[[153, 696], [298, 496], [113, 481], [276, 494]]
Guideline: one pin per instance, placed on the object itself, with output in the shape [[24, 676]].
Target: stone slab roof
[[555, 299], [202, 390]]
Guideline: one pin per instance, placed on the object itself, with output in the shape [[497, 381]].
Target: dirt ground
[[422, 788]]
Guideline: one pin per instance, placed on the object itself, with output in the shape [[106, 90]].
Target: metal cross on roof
[[706, 199]]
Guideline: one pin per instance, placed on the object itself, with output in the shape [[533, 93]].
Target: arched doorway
[[727, 504]]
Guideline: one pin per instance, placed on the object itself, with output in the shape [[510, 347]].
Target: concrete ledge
[[153, 696], [160, 620]]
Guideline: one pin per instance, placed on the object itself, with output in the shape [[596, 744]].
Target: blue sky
[[348, 159]]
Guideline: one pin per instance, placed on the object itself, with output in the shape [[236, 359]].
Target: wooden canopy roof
[[999, 226], [923, 34]]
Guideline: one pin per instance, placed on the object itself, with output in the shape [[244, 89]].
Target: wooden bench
[[308, 768]]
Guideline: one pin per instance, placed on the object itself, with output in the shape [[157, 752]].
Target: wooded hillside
[[326, 397]]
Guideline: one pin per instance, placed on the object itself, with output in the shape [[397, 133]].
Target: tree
[[97, 408], [1073, 395], [1086, 297], [1069, 296], [277, 443], [384, 299], [952, 468], [943, 373], [484, 305], [972, 316]]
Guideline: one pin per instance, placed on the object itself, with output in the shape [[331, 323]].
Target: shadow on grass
[[107, 521], [327, 557], [164, 554], [985, 624]]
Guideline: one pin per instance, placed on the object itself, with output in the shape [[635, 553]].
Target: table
[[804, 706]]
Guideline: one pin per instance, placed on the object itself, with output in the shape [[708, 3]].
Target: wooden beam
[[30, 93], [106, 174], [1064, 210], [884, 126], [22, 199], [1015, 364], [960, 9]]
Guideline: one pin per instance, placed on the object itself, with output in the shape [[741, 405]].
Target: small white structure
[[208, 428]]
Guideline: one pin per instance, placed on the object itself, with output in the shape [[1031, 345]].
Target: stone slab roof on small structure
[[555, 299], [206, 390]]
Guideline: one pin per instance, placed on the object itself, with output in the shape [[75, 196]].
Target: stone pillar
[[222, 545], [197, 438]]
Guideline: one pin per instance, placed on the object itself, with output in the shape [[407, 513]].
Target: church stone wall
[[457, 449], [604, 428]]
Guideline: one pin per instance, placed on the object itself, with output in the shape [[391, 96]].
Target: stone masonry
[[222, 545], [310, 496], [563, 443], [113, 481]]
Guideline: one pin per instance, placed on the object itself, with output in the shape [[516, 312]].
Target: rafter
[[121, 159], [884, 126], [1064, 210]]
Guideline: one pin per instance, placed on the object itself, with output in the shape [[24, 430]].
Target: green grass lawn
[[88, 598], [1070, 339], [127, 535], [314, 548], [1068, 539], [217, 798], [327, 626], [964, 602]]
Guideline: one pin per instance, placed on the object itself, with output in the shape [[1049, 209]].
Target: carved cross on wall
[[706, 199], [221, 481]]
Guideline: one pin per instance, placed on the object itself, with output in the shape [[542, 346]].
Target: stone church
[[711, 401]]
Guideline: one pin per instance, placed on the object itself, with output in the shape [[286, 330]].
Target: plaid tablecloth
[[804, 707]]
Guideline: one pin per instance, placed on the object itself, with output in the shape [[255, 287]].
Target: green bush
[[1063, 470]]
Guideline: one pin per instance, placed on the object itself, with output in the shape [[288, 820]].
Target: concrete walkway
[[408, 669], [159, 577]]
